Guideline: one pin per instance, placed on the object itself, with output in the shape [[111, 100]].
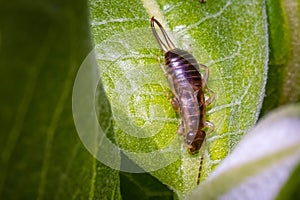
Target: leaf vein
[[51, 131]]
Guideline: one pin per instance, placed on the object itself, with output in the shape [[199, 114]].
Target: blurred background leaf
[[42, 45], [283, 84]]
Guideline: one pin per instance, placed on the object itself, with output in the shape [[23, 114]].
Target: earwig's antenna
[[169, 44]]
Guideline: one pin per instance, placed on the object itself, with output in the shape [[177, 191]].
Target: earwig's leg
[[161, 65], [196, 94], [209, 125], [173, 101], [180, 129], [205, 75], [204, 85], [175, 104], [211, 98]]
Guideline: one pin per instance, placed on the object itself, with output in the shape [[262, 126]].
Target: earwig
[[188, 87]]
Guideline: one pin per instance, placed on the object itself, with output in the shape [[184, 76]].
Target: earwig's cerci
[[188, 87]]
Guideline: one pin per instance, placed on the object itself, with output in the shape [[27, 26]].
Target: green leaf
[[230, 37], [143, 187], [42, 45], [291, 189], [254, 173]]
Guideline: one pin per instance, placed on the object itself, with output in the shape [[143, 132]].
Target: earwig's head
[[190, 138], [196, 143]]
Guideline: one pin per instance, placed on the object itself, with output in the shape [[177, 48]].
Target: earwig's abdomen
[[186, 84]]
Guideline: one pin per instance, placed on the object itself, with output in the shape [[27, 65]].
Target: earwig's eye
[[190, 137]]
